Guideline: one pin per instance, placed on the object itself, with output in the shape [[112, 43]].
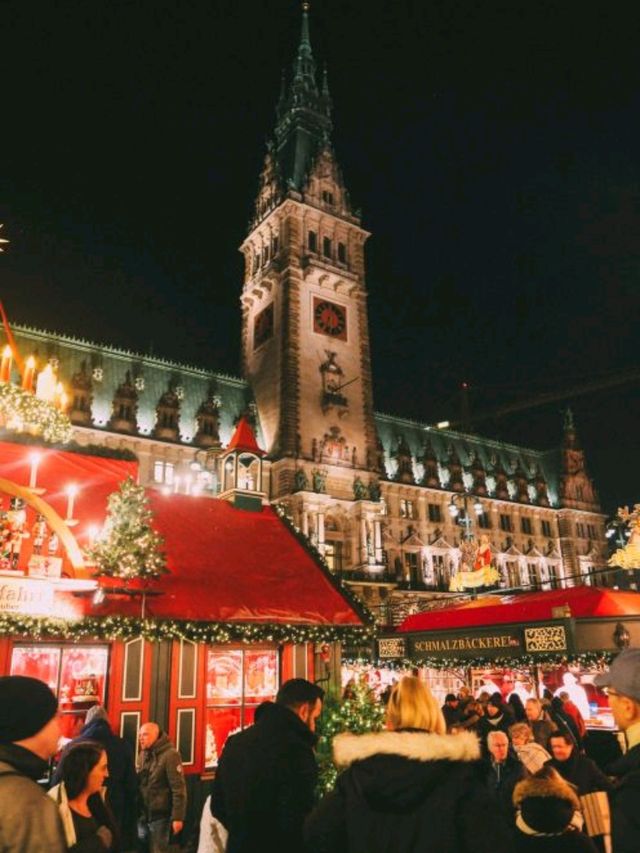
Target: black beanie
[[547, 814], [26, 706]]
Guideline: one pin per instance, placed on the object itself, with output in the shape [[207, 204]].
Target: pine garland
[[157, 630], [598, 658], [129, 547]]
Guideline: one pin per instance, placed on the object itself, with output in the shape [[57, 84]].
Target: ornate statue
[[374, 490], [629, 556], [301, 480], [319, 480], [360, 491]]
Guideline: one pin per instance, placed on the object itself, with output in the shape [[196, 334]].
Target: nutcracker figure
[[39, 534], [52, 544], [17, 518]]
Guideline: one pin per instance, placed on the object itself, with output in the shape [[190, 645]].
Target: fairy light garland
[[157, 630], [22, 411], [585, 659]]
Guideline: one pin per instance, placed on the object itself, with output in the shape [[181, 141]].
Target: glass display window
[[505, 681], [237, 681], [76, 674], [577, 683]]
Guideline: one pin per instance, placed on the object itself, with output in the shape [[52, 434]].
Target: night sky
[[492, 146]]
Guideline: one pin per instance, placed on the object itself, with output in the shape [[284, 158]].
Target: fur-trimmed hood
[[415, 745], [535, 787], [396, 772]]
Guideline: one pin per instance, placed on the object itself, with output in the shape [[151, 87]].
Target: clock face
[[330, 319], [263, 326]]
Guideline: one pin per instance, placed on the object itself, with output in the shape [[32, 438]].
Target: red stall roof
[[583, 601], [230, 565]]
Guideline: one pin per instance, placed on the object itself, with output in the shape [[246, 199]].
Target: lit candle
[[64, 400], [34, 459], [72, 491], [46, 385], [5, 365], [29, 374]]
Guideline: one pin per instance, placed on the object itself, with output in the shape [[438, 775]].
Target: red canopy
[[582, 601], [229, 564], [244, 438]]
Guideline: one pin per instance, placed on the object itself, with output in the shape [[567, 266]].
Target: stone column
[[377, 541], [320, 528]]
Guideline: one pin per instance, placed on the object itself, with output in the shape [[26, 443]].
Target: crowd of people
[[98, 802], [475, 774]]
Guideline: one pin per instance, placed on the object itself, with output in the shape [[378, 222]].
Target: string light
[[21, 411]]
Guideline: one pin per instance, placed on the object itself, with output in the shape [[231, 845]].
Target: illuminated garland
[[128, 628], [344, 589], [584, 659], [22, 411]]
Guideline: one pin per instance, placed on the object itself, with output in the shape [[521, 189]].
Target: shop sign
[[392, 647], [489, 644], [25, 595], [546, 638]]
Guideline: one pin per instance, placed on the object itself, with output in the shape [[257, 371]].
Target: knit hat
[[26, 706]]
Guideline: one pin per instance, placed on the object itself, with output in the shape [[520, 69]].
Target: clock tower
[[305, 338]]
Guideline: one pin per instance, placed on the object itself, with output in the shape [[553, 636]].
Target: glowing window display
[[76, 674], [237, 682]]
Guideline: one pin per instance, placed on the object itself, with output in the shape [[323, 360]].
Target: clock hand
[[344, 384]]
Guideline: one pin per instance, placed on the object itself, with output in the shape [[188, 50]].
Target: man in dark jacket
[[162, 790], [539, 722], [622, 683], [504, 771], [451, 711], [574, 767], [29, 735], [121, 784], [265, 783]]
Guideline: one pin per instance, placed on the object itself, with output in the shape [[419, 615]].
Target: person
[[88, 822], [622, 683], [572, 710], [412, 787], [538, 721], [530, 753], [451, 711], [29, 735], [121, 783], [548, 818], [563, 722], [577, 769], [464, 696], [266, 778], [576, 692], [163, 791], [473, 714], [503, 771], [515, 703], [495, 719]]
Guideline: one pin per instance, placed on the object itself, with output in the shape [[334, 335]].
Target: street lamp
[[466, 521], [204, 466]]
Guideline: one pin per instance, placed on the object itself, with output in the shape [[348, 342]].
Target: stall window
[[76, 674], [237, 681]]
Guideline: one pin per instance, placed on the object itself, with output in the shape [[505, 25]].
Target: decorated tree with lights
[[128, 546], [361, 712]]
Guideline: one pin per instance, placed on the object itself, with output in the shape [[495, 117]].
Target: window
[[435, 512], [411, 566], [76, 674], [532, 575], [312, 241], [525, 524], [333, 556], [407, 508], [124, 412], [580, 531], [546, 528], [484, 521], [237, 681], [505, 523], [591, 529], [342, 253], [326, 247], [274, 245], [440, 574], [163, 472], [513, 575], [265, 254], [327, 197], [554, 579]]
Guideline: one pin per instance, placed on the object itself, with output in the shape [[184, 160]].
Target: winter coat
[[265, 783], [29, 820], [532, 755], [410, 792], [162, 787], [581, 772], [502, 778], [548, 819], [498, 723], [625, 817], [542, 730], [452, 716], [121, 784], [572, 710]]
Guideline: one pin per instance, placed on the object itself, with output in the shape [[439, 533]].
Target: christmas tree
[[359, 713], [128, 546]]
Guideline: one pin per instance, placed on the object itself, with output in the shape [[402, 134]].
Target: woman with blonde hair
[[410, 789]]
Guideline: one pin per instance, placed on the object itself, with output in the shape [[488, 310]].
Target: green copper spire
[[303, 123]]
